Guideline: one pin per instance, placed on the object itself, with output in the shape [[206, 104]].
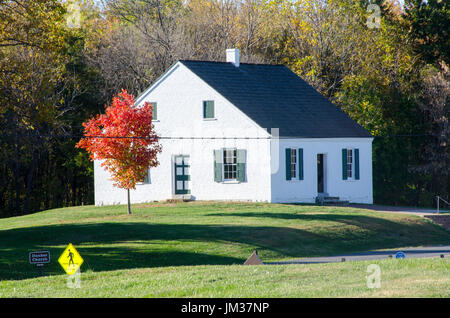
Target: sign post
[[39, 258]]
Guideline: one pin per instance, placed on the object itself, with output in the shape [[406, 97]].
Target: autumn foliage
[[123, 139]]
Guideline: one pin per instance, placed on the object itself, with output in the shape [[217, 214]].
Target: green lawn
[[183, 249], [399, 278]]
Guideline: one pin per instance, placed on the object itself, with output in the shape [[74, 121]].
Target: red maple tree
[[124, 140]]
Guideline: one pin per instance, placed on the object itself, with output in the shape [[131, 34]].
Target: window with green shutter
[[350, 164], [294, 164], [155, 111], [230, 165], [147, 177], [208, 109]]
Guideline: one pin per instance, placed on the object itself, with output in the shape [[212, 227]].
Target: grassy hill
[[164, 242]]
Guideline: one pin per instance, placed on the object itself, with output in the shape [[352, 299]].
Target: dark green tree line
[[392, 79]]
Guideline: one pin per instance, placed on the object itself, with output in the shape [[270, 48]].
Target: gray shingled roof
[[275, 97]]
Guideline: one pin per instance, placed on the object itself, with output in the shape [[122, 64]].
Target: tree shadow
[[113, 246], [359, 220], [384, 233]]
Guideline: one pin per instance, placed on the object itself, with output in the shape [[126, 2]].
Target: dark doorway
[[320, 174]]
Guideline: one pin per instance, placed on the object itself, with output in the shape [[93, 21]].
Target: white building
[[237, 131]]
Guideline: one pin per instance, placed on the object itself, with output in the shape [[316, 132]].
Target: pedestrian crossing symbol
[[70, 260]]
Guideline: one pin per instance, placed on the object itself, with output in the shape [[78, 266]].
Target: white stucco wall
[[179, 96], [355, 191]]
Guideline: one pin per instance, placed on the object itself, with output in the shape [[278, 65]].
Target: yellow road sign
[[70, 260]]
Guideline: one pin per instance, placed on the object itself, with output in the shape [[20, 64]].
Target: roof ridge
[[222, 62]]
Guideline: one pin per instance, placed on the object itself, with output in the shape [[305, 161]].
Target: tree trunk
[[29, 184], [16, 175], [129, 206]]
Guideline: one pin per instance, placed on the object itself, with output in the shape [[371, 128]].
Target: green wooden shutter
[[218, 165], [300, 164], [208, 109], [288, 164], [344, 164], [356, 164], [155, 111], [240, 172]]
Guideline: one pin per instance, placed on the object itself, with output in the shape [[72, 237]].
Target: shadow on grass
[[368, 232], [126, 245], [113, 246], [362, 221]]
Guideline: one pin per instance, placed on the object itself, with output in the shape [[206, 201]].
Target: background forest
[[62, 61]]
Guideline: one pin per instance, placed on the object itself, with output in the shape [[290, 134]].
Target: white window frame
[[351, 164], [224, 150], [294, 153]]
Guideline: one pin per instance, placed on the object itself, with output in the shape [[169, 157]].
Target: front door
[[320, 174], [182, 177]]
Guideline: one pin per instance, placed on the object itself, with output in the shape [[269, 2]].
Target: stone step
[[336, 202], [331, 201]]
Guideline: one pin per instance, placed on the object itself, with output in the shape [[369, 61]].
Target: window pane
[[293, 163], [179, 171], [350, 163], [229, 164], [179, 185], [208, 109], [155, 111], [179, 160]]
